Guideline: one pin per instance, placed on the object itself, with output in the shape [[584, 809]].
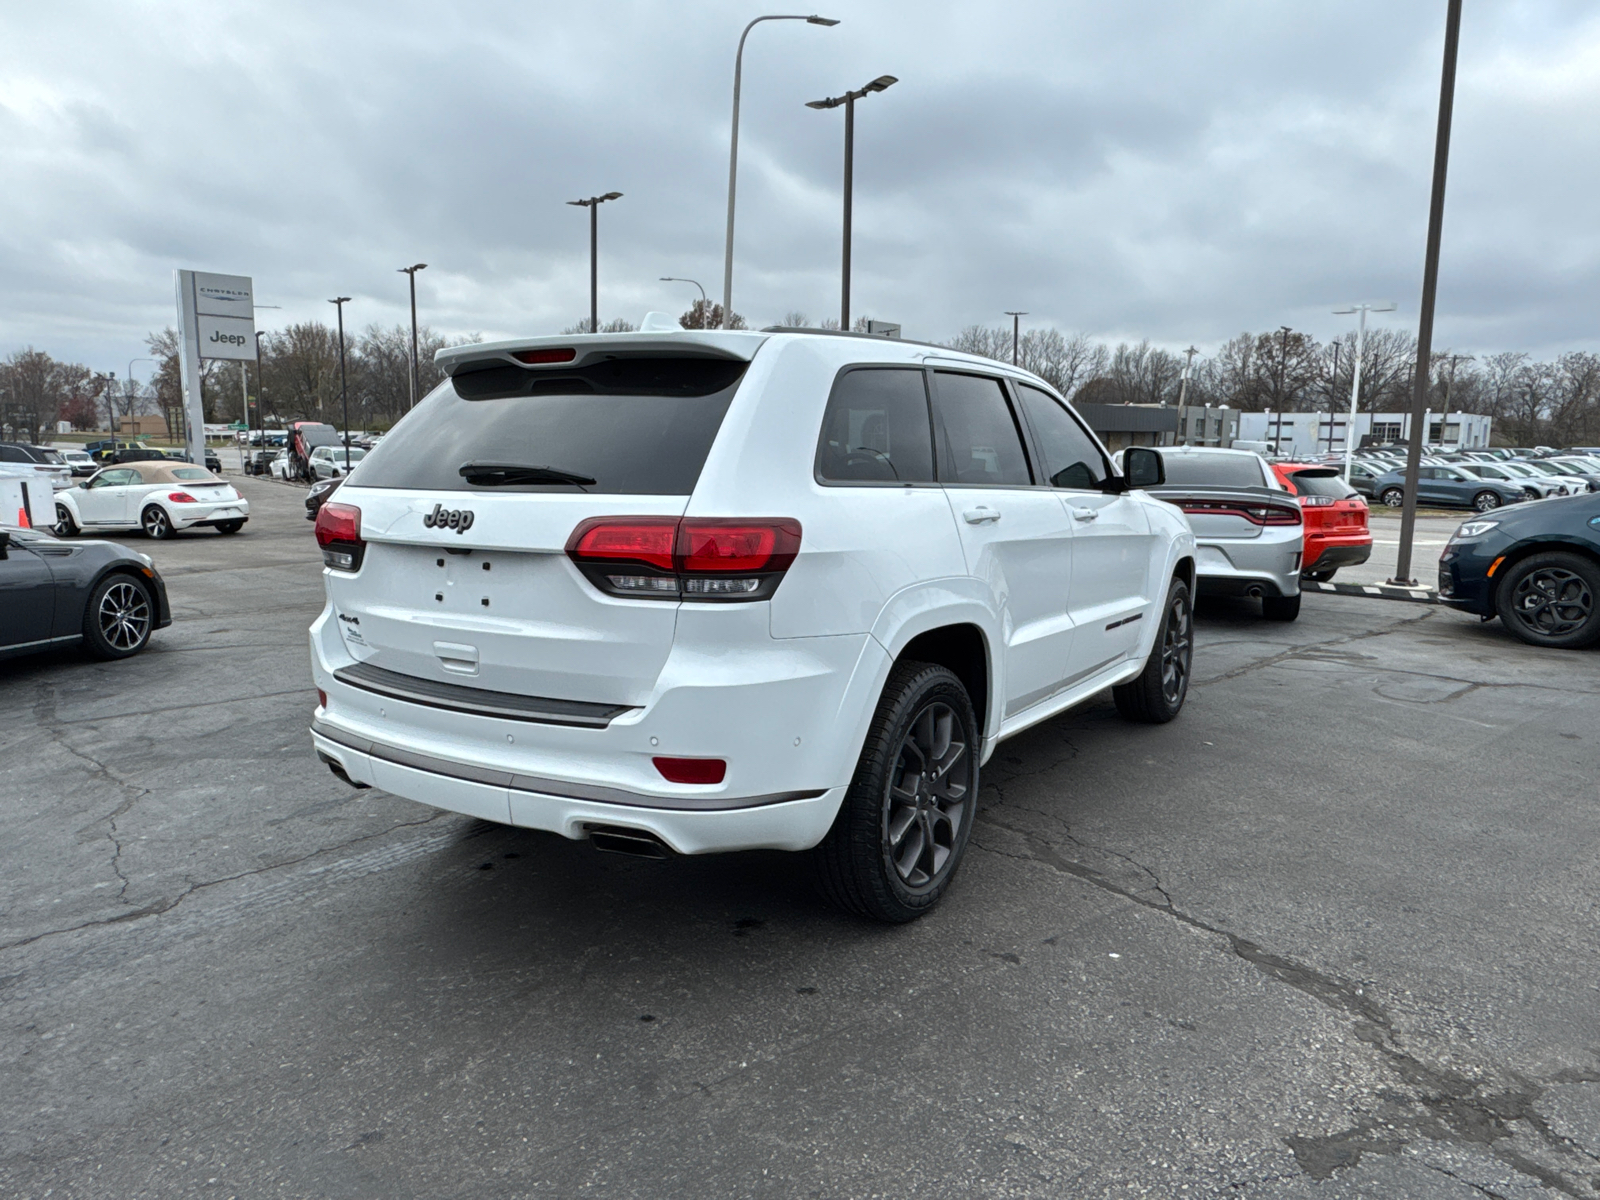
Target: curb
[[1373, 591]]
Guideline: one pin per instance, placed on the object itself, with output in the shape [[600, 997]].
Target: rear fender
[[935, 604]]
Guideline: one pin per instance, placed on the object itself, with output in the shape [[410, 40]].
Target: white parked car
[[328, 462], [159, 497], [703, 591]]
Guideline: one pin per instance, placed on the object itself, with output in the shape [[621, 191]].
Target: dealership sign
[[216, 319]]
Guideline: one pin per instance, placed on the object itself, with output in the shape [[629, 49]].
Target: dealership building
[[1298, 434]]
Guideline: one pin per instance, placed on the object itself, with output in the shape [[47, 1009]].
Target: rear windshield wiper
[[505, 474]]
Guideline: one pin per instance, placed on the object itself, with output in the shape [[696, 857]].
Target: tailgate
[[498, 606]]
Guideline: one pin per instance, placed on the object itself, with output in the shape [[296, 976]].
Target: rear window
[[193, 473], [636, 426], [1214, 470], [1322, 483], [876, 429]]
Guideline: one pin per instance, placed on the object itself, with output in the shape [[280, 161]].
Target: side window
[[876, 428], [977, 433], [1071, 459]]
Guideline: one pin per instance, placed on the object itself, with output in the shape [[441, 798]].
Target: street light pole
[[1016, 329], [881, 83], [1355, 374], [411, 271], [705, 313], [1430, 284], [1183, 381], [593, 204], [339, 302], [733, 153], [1283, 361]]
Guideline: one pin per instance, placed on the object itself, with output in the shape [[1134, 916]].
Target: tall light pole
[[733, 153], [1430, 285], [593, 204], [261, 391], [411, 271], [705, 313], [880, 84], [1355, 375], [1183, 380], [1283, 361], [128, 399], [339, 302], [1016, 330]]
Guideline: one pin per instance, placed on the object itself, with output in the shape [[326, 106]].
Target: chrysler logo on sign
[[459, 519]]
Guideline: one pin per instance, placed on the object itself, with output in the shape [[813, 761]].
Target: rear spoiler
[[739, 345]]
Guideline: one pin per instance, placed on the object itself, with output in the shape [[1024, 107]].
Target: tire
[[903, 829], [1485, 502], [1552, 599], [65, 526], [1393, 497], [1280, 608], [1320, 576], [1157, 694], [119, 618], [155, 523], [230, 527]]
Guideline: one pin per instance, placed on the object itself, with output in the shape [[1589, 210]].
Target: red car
[[1335, 515]]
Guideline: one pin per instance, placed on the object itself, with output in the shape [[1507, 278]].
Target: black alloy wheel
[[1551, 600], [907, 816], [155, 524], [1156, 695], [230, 526], [1486, 502], [927, 801], [119, 618], [65, 526]]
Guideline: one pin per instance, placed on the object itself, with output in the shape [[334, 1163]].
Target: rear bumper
[[208, 514], [787, 716], [785, 821], [1338, 552], [1266, 565]]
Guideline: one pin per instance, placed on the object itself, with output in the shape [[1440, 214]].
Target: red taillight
[[625, 539], [181, 498], [692, 770], [1318, 501], [1256, 514], [322, 698], [537, 357], [692, 558], [732, 546], [339, 535]]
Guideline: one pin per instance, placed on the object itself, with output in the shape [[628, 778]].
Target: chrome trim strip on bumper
[[479, 701], [549, 787]]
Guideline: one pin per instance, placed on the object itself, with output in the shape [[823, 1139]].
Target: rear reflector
[[322, 698], [692, 770], [689, 558], [339, 535], [537, 357]]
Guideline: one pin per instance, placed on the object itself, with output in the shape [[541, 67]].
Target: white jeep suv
[[703, 591]]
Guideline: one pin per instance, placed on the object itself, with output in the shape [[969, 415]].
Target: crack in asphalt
[[166, 905], [1451, 1110]]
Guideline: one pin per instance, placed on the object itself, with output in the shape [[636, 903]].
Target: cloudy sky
[[1173, 169]]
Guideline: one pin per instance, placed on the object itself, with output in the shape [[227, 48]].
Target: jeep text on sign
[[227, 337]]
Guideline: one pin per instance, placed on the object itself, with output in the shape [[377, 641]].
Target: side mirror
[[1142, 468]]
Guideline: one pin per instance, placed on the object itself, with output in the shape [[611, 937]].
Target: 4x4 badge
[[459, 519]]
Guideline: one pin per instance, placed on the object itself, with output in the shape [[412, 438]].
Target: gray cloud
[[1169, 170]]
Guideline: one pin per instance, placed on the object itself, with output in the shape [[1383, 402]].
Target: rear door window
[[1071, 458], [978, 438], [877, 429], [624, 426]]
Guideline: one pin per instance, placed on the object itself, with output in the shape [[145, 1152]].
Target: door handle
[[1085, 514], [979, 516]]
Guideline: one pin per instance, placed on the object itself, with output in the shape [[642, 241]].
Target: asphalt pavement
[[1331, 933]]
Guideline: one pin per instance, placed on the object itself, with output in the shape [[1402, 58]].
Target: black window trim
[[1024, 434], [1016, 386], [822, 432]]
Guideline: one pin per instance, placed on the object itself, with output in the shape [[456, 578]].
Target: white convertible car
[[157, 497]]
